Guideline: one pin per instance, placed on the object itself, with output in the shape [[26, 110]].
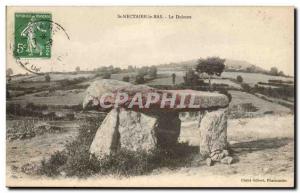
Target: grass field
[[249, 78], [263, 106], [254, 78], [54, 77], [253, 146]]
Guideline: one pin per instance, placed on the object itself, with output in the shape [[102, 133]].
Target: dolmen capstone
[[141, 118]]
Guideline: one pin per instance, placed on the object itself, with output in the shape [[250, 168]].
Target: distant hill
[[230, 65], [241, 65]]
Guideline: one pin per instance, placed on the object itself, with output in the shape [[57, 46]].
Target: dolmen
[[142, 118]]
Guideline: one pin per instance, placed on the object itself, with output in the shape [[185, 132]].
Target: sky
[[260, 35]]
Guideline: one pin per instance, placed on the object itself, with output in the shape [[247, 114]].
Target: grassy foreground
[[76, 160]]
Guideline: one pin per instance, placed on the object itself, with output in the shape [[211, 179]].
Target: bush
[[191, 78], [29, 110], [242, 110], [152, 72], [47, 78], [32, 106], [225, 92], [77, 161], [51, 167], [143, 71], [106, 75], [239, 79], [246, 87], [139, 79], [283, 92], [68, 82], [126, 78]]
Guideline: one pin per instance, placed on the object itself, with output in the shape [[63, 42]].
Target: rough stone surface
[[209, 162], [145, 130], [227, 160], [192, 100], [213, 132], [104, 86], [106, 139], [137, 131]]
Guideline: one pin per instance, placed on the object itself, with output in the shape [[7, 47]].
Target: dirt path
[[25, 155]]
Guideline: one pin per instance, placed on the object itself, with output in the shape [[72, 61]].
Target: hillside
[[230, 65], [241, 65]]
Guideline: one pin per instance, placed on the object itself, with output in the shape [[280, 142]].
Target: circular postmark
[[40, 44]]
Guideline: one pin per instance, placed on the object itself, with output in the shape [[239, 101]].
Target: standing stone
[[213, 131], [137, 131], [123, 129], [106, 140]]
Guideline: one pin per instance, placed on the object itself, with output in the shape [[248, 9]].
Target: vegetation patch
[[76, 160], [26, 129], [242, 110]]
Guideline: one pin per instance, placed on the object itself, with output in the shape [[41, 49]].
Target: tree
[[190, 78], [106, 75], [77, 69], [211, 66], [152, 72], [47, 78], [246, 87], [130, 68], [139, 79], [281, 73], [126, 78], [239, 79], [143, 71], [116, 70], [274, 71], [250, 69]]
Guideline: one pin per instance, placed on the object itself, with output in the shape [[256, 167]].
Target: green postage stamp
[[33, 35]]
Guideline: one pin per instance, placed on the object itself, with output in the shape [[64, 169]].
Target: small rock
[[209, 162], [30, 169], [282, 169], [62, 173], [227, 160], [212, 154], [14, 176], [267, 170], [218, 156], [215, 157]]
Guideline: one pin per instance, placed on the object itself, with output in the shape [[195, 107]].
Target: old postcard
[[150, 97]]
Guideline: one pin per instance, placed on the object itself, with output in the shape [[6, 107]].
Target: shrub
[[32, 106], [126, 78], [191, 78], [246, 87], [51, 167], [143, 71], [72, 82], [106, 75], [139, 79], [29, 110], [77, 161], [152, 72], [239, 79], [52, 89], [225, 92], [47, 78]]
